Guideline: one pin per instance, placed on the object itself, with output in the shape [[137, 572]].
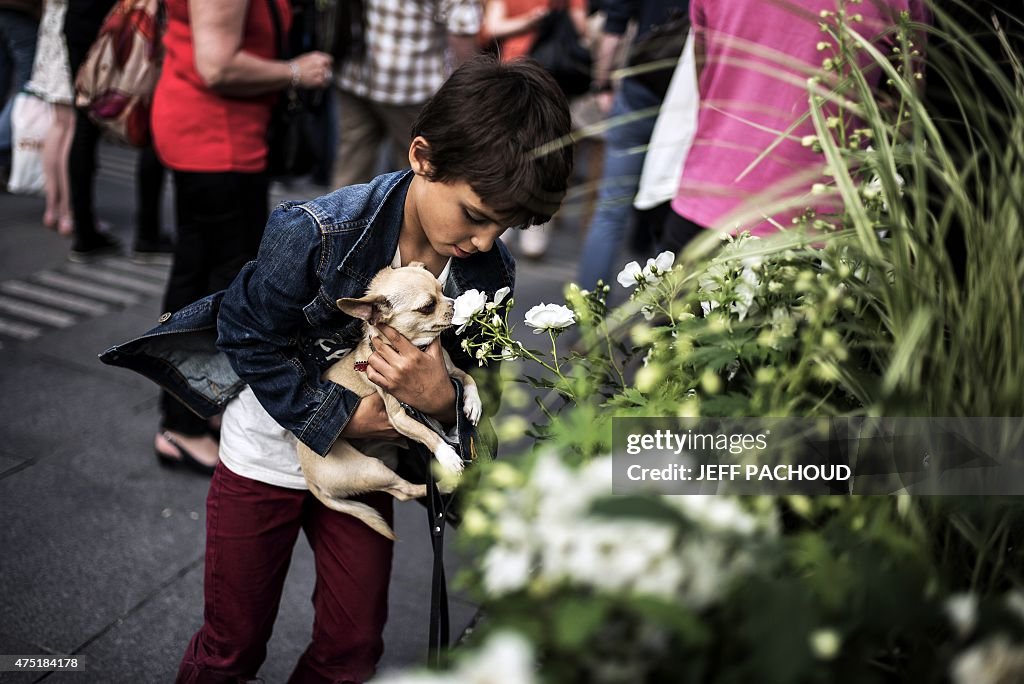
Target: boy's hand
[[370, 421], [417, 378]]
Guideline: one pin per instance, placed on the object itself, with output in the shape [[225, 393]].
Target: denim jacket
[[277, 327]]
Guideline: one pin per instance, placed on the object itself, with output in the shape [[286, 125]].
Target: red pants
[[251, 528]]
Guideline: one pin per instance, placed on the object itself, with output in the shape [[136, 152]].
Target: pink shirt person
[[758, 57]]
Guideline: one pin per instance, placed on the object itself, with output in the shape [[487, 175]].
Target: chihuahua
[[409, 299]]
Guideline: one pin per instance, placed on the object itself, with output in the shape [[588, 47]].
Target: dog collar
[[360, 366]]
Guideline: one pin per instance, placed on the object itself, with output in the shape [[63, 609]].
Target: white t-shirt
[[253, 445]]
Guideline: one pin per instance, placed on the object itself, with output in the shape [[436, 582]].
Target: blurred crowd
[[683, 111], [362, 70]]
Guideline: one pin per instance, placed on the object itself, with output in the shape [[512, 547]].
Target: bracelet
[[296, 74]]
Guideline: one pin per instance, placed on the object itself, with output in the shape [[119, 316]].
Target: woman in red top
[[210, 115], [514, 23]]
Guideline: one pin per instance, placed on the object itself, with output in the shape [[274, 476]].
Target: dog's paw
[[446, 482], [471, 404], [448, 458]]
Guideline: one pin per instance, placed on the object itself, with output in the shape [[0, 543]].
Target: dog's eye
[[429, 308]]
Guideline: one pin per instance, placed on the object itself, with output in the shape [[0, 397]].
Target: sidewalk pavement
[[101, 550]]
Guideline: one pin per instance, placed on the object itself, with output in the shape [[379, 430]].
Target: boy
[[474, 173]]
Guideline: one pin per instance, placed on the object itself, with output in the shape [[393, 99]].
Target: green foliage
[[867, 312]]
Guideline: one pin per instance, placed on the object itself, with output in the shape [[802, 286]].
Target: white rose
[[962, 611], [630, 275], [506, 656], [500, 295], [506, 569], [468, 304], [874, 188], [549, 317], [745, 291], [660, 264], [997, 659]]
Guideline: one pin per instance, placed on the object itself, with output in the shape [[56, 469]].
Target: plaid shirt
[[406, 41]]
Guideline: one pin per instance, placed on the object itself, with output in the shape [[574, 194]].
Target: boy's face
[[451, 216]]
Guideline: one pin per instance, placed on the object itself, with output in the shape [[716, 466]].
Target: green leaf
[[647, 507], [576, 618], [732, 404], [680, 620], [710, 356], [631, 396]]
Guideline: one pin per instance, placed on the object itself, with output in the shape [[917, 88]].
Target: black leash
[[439, 636], [440, 633]]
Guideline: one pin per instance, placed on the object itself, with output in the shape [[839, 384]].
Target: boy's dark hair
[[502, 128]]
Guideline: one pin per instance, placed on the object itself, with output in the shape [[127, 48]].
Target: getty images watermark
[[958, 456]]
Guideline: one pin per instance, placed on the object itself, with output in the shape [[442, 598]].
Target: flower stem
[[554, 351]]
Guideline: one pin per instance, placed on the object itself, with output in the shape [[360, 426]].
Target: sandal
[[183, 457], [66, 226]]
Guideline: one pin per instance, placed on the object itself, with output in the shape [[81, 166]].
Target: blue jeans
[[17, 52], [624, 151]]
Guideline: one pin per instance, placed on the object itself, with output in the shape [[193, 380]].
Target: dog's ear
[[417, 264], [369, 308]]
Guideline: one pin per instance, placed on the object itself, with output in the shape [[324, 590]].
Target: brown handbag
[[116, 81]]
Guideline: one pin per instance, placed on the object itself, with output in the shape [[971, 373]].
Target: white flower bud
[[825, 643]]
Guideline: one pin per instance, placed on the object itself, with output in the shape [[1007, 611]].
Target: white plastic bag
[[30, 121], [672, 136]]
